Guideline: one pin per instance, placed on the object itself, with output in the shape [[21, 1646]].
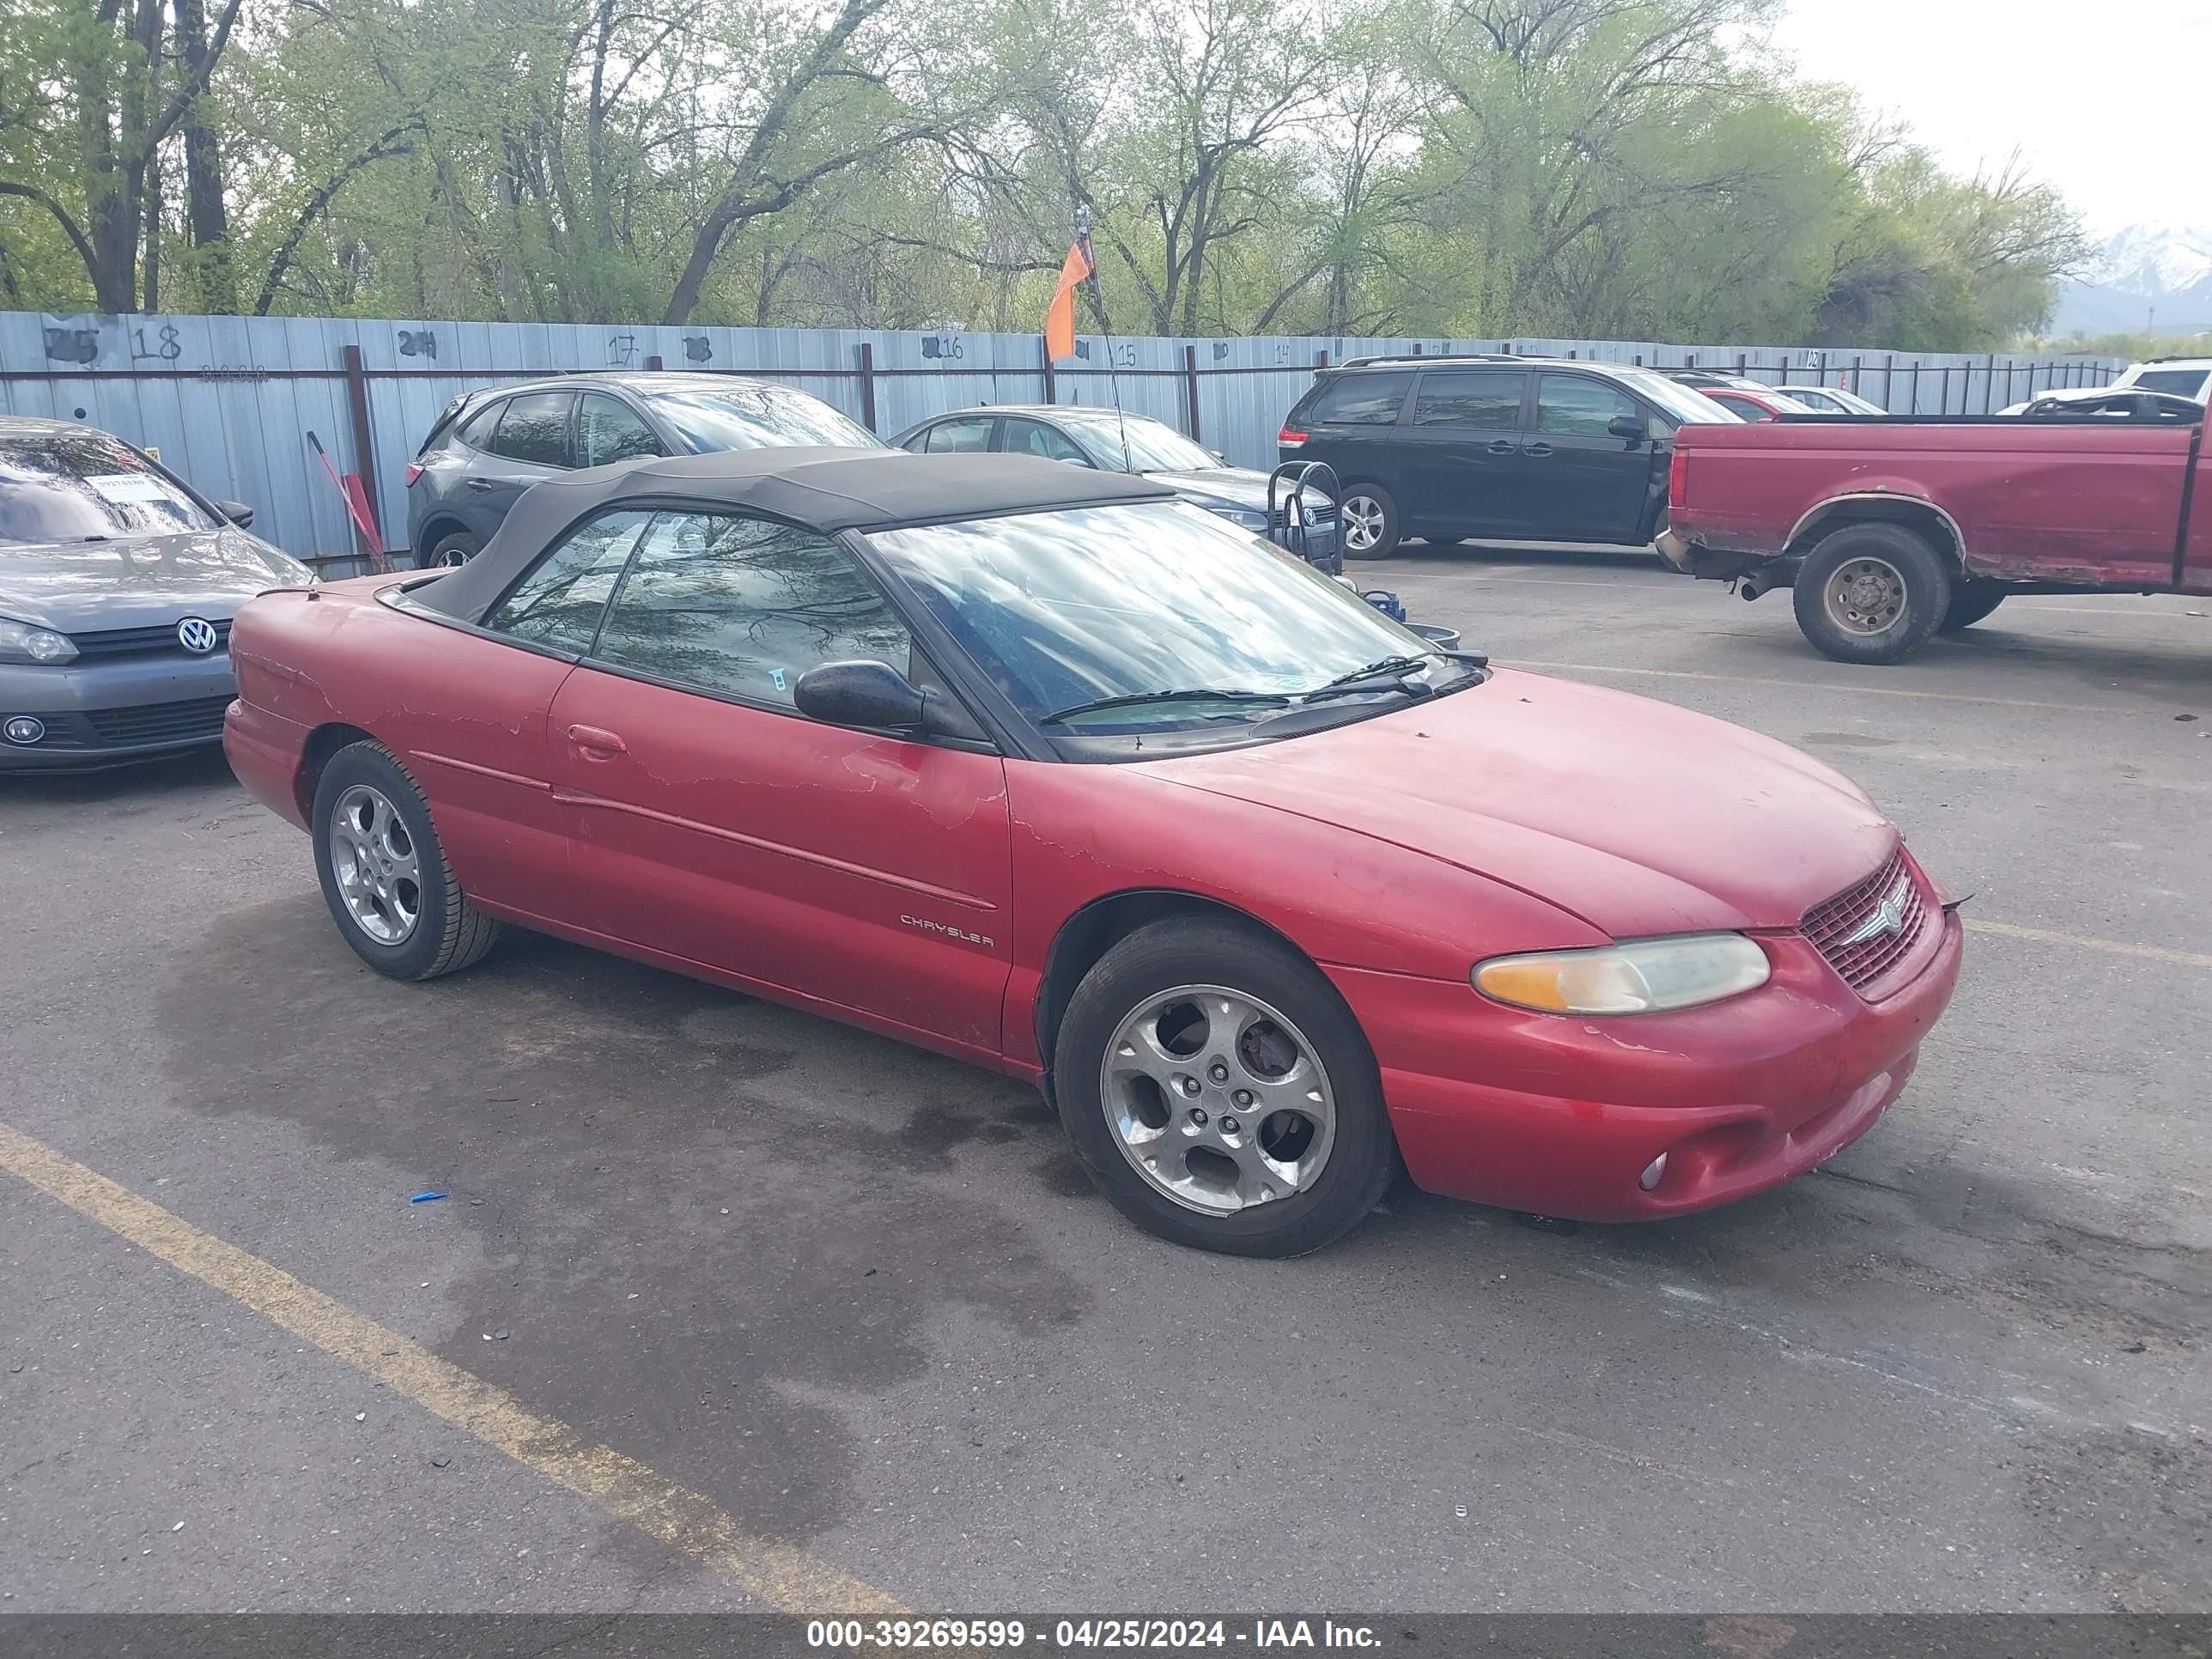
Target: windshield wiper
[[1134, 699], [1391, 672]]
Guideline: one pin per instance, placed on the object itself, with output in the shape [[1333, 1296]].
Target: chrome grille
[[1841, 928]]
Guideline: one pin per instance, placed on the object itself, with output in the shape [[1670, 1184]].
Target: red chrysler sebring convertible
[[1039, 767]]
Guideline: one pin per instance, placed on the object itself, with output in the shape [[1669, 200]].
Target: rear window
[[2185, 382], [84, 486], [1356, 400]]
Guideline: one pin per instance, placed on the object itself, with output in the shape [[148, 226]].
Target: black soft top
[[824, 489]]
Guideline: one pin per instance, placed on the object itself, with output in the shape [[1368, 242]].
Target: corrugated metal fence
[[228, 401]]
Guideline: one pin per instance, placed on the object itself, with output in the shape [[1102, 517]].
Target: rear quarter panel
[[465, 715], [2032, 500]]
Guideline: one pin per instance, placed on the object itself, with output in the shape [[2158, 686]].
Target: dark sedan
[[490, 446], [1115, 442], [117, 585]]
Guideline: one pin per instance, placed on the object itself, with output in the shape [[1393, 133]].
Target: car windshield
[[1789, 404], [1153, 446], [1682, 403], [84, 486], [757, 417], [1078, 606]]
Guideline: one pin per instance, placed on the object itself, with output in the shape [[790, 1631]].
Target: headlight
[[1245, 518], [20, 642], [1646, 976]]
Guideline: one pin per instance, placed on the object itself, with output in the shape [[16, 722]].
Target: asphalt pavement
[[861, 1304]]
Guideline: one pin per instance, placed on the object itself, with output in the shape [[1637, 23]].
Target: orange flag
[[1060, 318]]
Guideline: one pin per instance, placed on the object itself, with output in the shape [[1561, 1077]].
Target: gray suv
[[117, 585], [490, 446]]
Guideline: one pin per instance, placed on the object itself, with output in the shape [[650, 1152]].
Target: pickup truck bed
[[1890, 530]]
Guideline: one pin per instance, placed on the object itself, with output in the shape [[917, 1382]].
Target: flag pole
[[1105, 326]]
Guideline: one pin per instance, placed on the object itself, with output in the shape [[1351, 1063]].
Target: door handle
[[1501, 447], [482, 483], [597, 743], [1537, 449]]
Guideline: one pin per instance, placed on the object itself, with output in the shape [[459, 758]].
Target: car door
[[531, 440], [1460, 454], [1585, 481], [1018, 436], [714, 824]]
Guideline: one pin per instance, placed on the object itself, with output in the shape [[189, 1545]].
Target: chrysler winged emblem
[[1888, 919]]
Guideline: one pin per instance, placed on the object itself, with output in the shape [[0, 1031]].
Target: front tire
[[1970, 601], [1221, 1093], [1871, 593], [1370, 517], [384, 876]]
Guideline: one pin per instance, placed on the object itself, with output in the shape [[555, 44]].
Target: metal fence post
[[1190, 389], [868, 384], [655, 363], [364, 448], [1051, 380]]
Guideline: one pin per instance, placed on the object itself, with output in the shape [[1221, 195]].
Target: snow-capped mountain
[[2147, 276]]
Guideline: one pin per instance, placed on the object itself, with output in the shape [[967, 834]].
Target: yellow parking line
[[787, 1578], [2117, 947], [1813, 685]]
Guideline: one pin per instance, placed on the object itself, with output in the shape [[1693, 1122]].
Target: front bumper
[[1562, 1114], [106, 714]]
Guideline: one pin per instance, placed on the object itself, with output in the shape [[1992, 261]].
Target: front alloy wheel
[[1217, 1100]]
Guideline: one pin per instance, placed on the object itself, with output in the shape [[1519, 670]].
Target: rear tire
[[1213, 1055], [1369, 518], [456, 548], [384, 875], [1871, 593], [1970, 601]]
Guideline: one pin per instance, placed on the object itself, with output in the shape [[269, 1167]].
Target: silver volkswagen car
[[117, 585]]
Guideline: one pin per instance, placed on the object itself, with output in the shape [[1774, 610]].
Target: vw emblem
[[196, 635], [1888, 919]]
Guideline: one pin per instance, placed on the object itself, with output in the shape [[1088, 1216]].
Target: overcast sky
[[2108, 101]]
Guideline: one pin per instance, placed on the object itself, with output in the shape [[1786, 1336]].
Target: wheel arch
[[1098, 925], [441, 523], [323, 743], [1882, 506]]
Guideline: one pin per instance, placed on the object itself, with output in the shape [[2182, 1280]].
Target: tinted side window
[[959, 438], [1575, 406], [744, 607], [477, 431], [1036, 438], [1486, 399], [608, 429], [558, 603], [535, 428], [1358, 400]]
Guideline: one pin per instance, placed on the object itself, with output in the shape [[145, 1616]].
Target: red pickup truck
[[1889, 529]]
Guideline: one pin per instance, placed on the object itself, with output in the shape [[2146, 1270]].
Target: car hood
[[1218, 486], [1640, 817], [138, 581]]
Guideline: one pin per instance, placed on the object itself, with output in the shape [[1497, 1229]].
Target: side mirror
[[1628, 426], [237, 511], [1218, 457], [867, 694]]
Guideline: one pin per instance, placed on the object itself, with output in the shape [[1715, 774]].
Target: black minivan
[[1499, 448]]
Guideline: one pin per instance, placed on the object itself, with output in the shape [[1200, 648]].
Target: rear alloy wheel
[[450, 551], [1871, 593], [1370, 517], [1218, 1089], [1970, 601], [384, 877]]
